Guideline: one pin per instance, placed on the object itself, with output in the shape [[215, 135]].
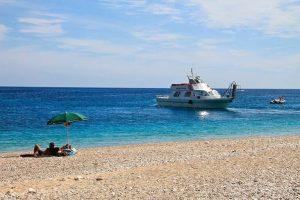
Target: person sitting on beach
[[50, 151], [65, 149]]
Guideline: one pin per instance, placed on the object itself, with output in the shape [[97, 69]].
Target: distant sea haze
[[126, 116]]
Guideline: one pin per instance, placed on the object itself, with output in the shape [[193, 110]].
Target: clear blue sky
[[143, 43]]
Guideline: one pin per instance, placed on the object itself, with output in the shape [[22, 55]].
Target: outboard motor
[[231, 92], [234, 90]]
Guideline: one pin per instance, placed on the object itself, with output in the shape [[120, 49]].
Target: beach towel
[[72, 152]]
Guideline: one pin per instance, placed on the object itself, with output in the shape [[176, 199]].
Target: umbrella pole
[[67, 132]]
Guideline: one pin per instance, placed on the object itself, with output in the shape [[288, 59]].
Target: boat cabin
[[193, 94], [196, 88]]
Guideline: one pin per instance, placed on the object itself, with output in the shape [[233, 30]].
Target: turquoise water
[[126, 116]]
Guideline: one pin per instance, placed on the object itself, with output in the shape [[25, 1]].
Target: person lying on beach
[[65, 150], [50, 151], [68, 150]]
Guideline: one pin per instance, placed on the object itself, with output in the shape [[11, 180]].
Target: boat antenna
[[192, 72]]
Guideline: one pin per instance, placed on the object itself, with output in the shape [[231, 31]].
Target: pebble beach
[[242, 168]]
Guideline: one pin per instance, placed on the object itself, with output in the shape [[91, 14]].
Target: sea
[[121, 116]]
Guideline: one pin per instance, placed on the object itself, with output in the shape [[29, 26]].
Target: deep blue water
[[125, 116]]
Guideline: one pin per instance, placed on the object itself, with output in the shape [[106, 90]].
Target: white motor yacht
[[197, 94]]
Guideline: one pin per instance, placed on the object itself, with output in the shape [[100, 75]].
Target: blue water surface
[[126, 116]]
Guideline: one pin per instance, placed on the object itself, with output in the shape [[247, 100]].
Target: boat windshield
[[192, 81], [195, 80]]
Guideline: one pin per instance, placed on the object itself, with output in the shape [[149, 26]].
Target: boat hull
[[275, 101], [219, 103]]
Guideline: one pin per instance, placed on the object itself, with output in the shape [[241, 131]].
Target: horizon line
[[110, 87]]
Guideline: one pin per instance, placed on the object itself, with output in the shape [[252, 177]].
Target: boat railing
[[232, 90]]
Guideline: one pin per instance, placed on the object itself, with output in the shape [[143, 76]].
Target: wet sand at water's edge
[[245, 168]]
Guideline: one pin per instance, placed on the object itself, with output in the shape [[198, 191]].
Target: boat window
[[176, 94], [203, 93], [187, 94]]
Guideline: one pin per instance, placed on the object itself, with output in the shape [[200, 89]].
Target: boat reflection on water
[[203, 114]]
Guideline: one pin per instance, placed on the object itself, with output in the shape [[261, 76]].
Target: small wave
[[262, 111]]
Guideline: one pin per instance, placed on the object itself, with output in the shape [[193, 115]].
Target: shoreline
[[225, 137], [259, 167]]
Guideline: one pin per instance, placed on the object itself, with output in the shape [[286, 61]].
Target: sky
[[145, 44]]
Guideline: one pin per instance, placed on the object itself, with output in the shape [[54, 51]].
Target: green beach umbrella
[[66, 118]]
